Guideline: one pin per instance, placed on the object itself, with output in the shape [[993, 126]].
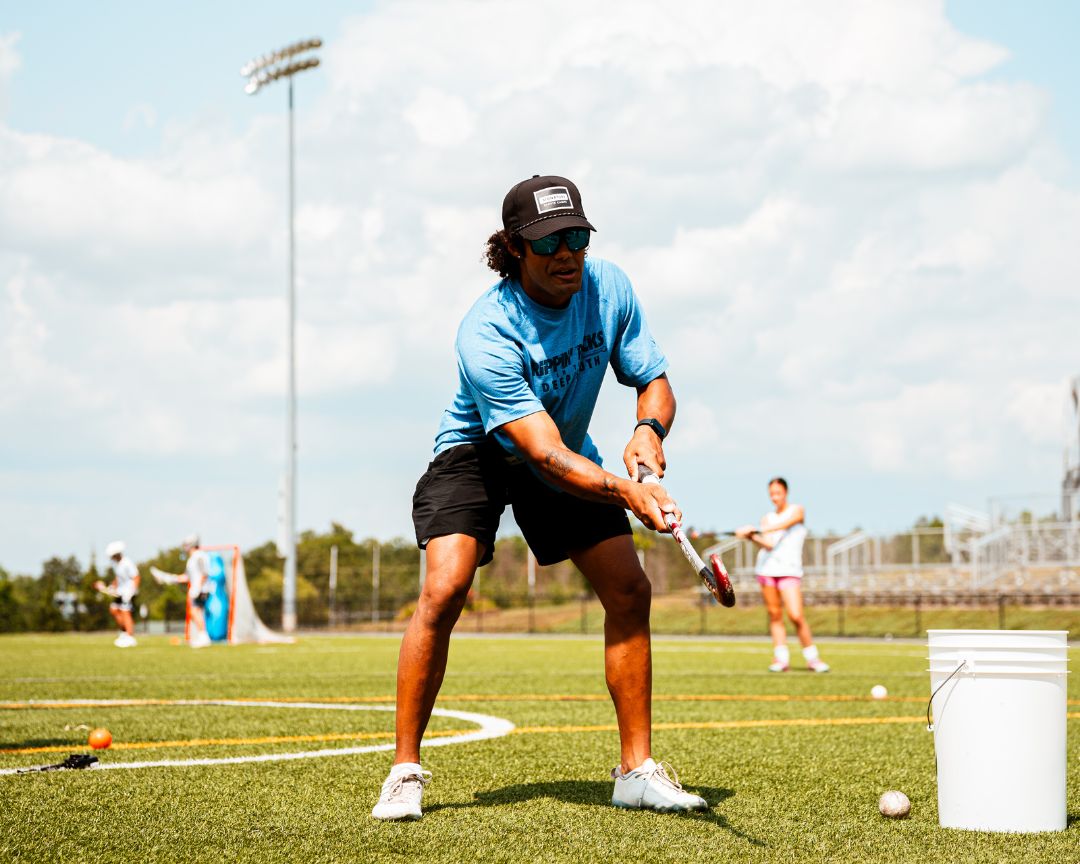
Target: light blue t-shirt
[[516, 357]]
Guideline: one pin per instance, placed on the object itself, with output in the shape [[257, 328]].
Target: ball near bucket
[[999, 718]]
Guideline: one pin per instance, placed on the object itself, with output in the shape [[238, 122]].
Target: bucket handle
[[930, 704]]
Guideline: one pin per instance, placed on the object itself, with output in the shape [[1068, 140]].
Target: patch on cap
[[552, 198]]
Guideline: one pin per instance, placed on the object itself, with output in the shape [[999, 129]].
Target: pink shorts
[[780, 582]]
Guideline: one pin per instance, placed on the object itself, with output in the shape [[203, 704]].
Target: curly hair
[[499, 257]]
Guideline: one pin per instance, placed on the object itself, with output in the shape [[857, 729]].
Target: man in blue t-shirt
[[532, 354]]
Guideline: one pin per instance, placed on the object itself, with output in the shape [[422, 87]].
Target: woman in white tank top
[[779, 571]]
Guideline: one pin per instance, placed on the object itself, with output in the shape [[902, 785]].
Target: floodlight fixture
[[257, 82], [260, 63]]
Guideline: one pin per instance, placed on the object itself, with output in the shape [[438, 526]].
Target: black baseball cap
[[540, 206]]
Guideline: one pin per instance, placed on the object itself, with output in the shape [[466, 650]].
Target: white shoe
[[200, 640], [650, 787], [818, 666], [401, 793], [777, 666], [125, 641]]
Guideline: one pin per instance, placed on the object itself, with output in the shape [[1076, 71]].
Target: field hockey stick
[[715, 579], [74, 762]]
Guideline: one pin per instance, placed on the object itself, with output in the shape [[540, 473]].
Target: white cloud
[[1039, 409], [440, 119], [131, 225], [969, 128]]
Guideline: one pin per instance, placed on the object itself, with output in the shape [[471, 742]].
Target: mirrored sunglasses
[[576, 240]]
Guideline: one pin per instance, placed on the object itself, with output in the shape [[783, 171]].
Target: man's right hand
[[649, 502], [537, 438]]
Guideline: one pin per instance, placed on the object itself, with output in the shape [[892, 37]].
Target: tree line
[[62, 597]]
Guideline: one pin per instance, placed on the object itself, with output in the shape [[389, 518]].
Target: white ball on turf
[[878, 691], [894, 804]]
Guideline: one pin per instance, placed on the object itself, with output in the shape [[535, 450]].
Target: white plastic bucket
[[999, 728]]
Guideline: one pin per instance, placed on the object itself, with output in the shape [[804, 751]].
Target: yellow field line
[[230, 742], [194, 703], [742, 724], [93, 703], [729, 724]]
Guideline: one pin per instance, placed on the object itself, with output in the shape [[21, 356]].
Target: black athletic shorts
[[466, 489], [200, 601]]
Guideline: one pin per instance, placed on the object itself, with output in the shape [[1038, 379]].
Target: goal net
[[229, 612]]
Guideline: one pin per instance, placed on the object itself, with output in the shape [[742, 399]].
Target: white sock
[[782, 655], [647, 765], [405, 768], [810, 653]]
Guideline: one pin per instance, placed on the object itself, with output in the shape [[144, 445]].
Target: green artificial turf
[[683, 613], [786, 792]]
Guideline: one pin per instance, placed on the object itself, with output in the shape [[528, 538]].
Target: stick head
[[725, 593]]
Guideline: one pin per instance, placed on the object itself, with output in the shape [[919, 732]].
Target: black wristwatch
[[653, 424]]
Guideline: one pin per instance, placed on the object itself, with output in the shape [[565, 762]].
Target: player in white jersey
[[197, 572], [779, 571], [123, 589], [197, 578]]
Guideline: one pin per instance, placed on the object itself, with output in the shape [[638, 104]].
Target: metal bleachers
[[968, 554]]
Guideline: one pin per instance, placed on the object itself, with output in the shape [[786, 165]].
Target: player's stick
[[715, 579], [74, 762]]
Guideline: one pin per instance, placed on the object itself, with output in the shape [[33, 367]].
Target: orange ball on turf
[[100, 739]]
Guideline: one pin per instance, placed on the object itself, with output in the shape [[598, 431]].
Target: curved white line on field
[[490, 727]]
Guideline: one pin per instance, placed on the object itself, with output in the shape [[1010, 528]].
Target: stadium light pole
[[264, 70]]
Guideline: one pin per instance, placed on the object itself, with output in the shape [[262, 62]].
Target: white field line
[[489, 727]]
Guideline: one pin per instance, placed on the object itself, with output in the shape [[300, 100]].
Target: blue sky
[[855, 246], [82, 79]]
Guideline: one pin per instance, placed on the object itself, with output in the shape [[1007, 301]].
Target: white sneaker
[[777, 666], [818, 666], [650, 787], [200, 640], [124, 641], [401, 793]]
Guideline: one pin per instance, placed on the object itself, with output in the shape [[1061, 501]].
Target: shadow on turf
[[592, 792], [41, 742]]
